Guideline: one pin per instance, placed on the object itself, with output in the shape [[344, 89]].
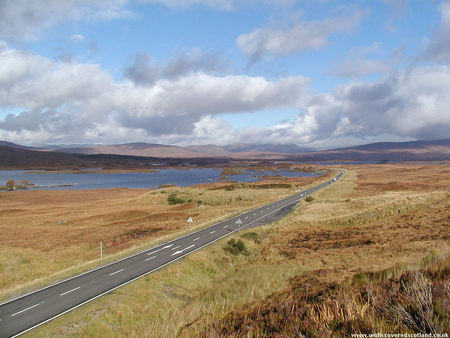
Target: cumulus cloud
[[67, 102], [404, 105], [438, 48], [408, 103], [67, 98], [301, 36], [24, 19], [143, 71]]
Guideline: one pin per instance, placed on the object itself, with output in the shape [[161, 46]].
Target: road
[[26, 312]]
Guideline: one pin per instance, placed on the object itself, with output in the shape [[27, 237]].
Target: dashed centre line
[[195, 239], [28, 308], [176, 247], [150, 258], [212, 231], [113, 273], [65, 293]]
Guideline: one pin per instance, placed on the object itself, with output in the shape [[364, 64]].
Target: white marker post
[[101, 251]]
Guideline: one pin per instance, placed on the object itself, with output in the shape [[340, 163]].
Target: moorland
[[321, 270]]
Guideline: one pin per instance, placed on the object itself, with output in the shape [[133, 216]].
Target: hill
[[142, 155]]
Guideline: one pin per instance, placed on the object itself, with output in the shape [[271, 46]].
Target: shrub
[[309, 199], [236, 247], [229, 188], [174, 199], [10, 184]]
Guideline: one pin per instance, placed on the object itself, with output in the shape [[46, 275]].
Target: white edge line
[[65, 293], [146, 250], [145, 274]]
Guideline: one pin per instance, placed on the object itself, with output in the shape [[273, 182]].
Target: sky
[[316, 73]]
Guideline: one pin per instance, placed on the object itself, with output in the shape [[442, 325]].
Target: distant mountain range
[[240, 150], [145, 154]]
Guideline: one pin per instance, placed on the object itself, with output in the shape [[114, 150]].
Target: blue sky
[[314, 73]]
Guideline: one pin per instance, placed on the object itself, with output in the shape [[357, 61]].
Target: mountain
[[436, 150], [13, 145], [412, 145], [144, 155], [135, 149], [266, 148], [240, 150]]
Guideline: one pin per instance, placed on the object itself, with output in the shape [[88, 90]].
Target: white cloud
[[143, 71], [357, 62], [219, 4], [438, 48], [25, 19], [76, 38], [301, 36], [73, 100], [402, 106], [68, 102]]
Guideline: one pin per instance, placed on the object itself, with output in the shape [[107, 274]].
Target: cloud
[[357, 62], [143, 71], [227, 5], [218, 4], [24, 19], [438, 48], [301, 36], [76, 38], [69, 100], [404, 105]]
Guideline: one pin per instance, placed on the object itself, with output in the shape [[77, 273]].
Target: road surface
[[26, 312]]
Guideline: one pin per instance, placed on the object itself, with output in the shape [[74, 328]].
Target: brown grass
[[321, 270], [415, 300]]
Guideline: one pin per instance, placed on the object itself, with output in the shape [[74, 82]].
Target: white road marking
[[245, 217], [165, 247], [28, 308], [150, 258], [176, 247], [116, 272], [212, 231], [196, 239], [65, 293], [181, 251]]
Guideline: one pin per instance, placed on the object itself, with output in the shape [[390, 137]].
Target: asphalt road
[[24, 313]]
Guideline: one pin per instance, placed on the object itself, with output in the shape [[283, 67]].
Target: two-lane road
[[28, 311]]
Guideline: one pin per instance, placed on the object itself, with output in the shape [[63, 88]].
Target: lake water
[[83, 181]]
